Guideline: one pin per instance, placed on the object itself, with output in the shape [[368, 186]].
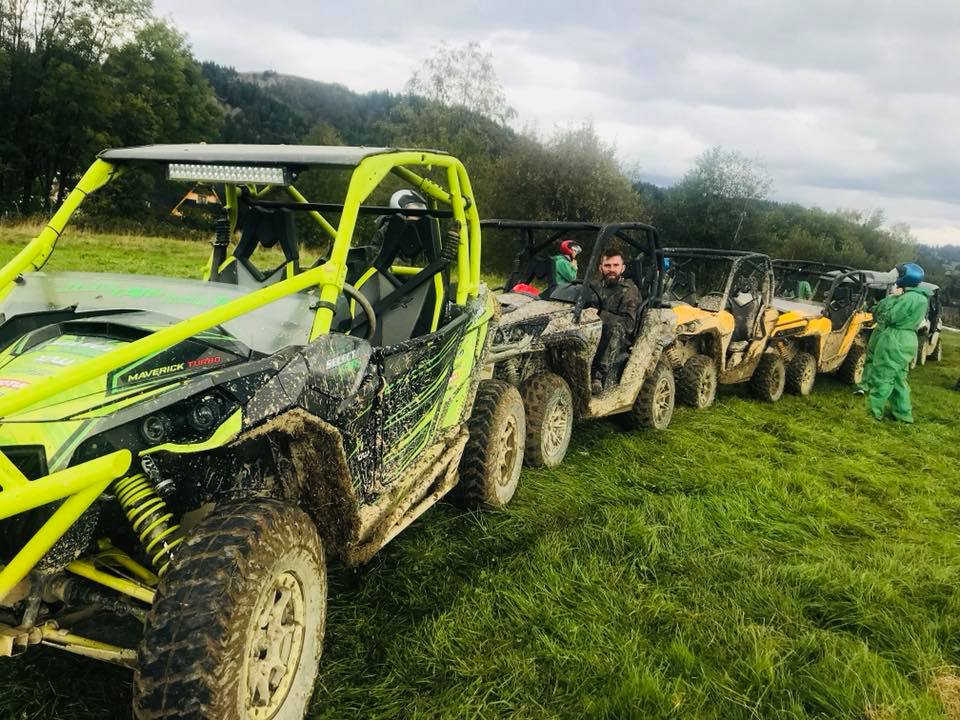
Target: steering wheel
[[367, 308]]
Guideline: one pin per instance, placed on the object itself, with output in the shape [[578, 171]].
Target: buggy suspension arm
[[78, 487]]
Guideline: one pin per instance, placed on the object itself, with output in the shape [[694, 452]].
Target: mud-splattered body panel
[[536, 335], [702, 332], [806, 326]]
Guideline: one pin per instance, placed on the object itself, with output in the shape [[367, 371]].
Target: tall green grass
[[795, 560]]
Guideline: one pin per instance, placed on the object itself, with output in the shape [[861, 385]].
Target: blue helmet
[[909, 275]]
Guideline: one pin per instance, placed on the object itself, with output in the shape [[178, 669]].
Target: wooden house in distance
[[199, 194]]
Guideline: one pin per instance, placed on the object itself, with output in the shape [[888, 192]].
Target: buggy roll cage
[[879, 286], [934, 305], [338, 208], [814, 266], [836, 274], [531, 246], [79, 486], [606, 233], [736, 257]]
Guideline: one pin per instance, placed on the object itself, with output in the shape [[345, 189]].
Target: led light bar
[[228, 173]]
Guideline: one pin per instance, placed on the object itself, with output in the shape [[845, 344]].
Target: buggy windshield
[[803, 285], [265, 329], [698, 281]]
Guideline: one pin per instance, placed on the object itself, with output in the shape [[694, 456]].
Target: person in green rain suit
[[893, 345]]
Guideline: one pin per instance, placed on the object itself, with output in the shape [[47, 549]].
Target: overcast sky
[[847, 104]]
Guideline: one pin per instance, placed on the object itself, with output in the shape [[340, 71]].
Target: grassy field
[[797, 560]]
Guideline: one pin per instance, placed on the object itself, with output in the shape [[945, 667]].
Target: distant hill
[[268, 107]]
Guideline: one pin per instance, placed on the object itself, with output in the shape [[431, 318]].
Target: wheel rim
[[509, 452], [662, 400], [276, 646], [556, 426], [806, 380], [858, 369]]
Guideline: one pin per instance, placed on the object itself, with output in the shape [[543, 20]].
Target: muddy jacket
[[619, 302]]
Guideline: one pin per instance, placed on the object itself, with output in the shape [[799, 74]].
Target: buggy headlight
[[228, 173], [206, 414], [188, 421], [155, 428]]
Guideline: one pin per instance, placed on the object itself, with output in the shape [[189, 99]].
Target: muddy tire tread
[[689, 378], [795, 373], [473, 489], [641, 415], [848, 370], [187, 657], [769, 378], [537, 393]]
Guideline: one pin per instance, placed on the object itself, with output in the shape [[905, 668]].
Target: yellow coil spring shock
[[147, 513]]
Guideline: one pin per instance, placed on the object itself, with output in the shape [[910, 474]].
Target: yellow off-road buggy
[[725, 316], [823, 325]]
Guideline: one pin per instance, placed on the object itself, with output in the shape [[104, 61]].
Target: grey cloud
[[833, 96]]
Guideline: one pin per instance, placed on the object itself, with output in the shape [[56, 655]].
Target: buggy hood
[[53, 321]]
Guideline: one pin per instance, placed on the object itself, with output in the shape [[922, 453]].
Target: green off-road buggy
[[547, 336], [186, 454]]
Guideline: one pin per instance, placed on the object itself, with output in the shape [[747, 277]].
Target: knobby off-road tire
[[654, 405], [493, 456], [549, 415], [801, 374], [769, 379], [937, 354], [697, 382], [851, 371], [237, 628]]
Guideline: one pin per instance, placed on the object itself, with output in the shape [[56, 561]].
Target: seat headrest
[[407, 239], [267, 227]]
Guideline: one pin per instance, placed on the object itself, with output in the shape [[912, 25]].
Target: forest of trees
[[77, 76]]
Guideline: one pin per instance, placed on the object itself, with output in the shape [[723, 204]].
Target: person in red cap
[[565, 263]]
